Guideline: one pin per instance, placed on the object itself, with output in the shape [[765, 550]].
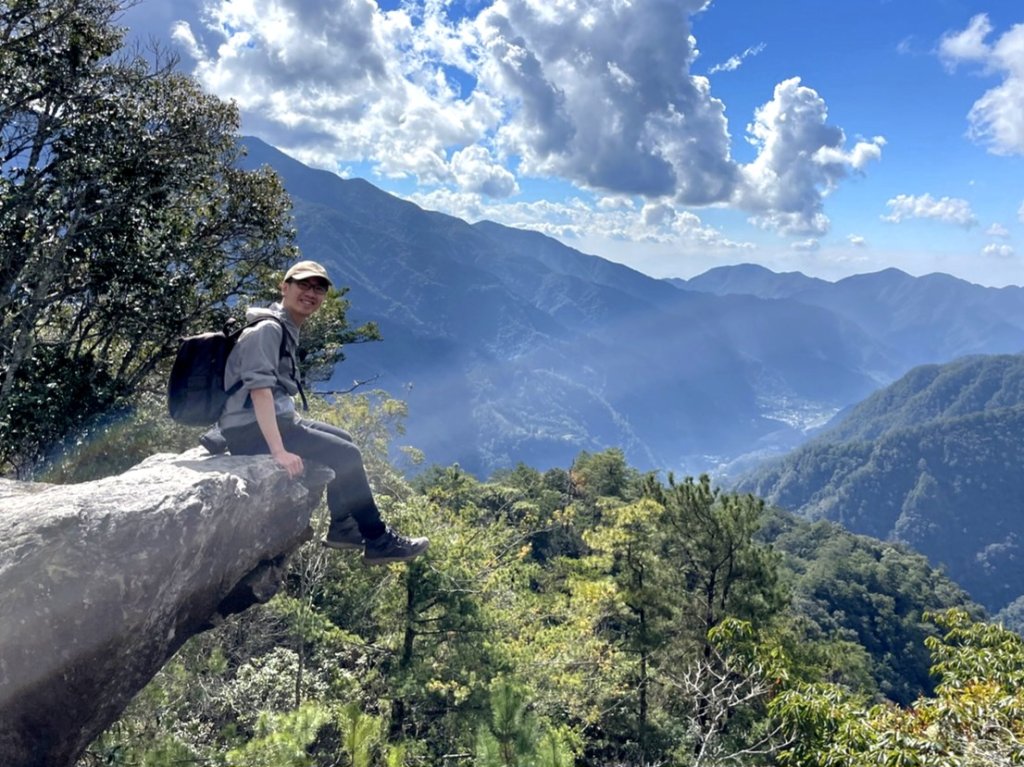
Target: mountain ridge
[[933, 318], [510, 346]]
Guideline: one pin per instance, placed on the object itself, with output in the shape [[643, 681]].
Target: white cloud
[[342, 82], [856, 240], [654, 223], [949, 209], [600, 93], [809, 244], [182, 34], [658, 214], [997, 230], [800, 222], [615, 202], [800, 160], [596, 93], [734, 62], [997, 118], [475, 171], [998, 250], [967, 44]]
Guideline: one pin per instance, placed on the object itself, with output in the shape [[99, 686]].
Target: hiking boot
[[392, 547], [344, 534]]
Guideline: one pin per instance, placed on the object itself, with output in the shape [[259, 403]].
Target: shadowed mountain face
[[509, 346]]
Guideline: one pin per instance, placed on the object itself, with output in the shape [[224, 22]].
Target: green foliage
[[860, 607], [713, 543], [972, 652], [507, 740], [976, 717], [124, 220], [360, 733], [650, 623], [116, 441], [51, 382], [283, 739], [513, 737], [603, 475]]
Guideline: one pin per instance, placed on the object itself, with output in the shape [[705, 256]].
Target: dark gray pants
[[348, 494]]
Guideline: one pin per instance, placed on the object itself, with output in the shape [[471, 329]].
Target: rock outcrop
[[102, 582]]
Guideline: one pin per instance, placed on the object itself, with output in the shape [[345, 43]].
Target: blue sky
[[669, 135]]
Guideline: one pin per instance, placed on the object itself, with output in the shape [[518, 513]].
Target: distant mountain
[[932, 461], [934, 318], [509, 346], [750, 279]]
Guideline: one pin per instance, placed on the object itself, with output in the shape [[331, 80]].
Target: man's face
[[301, 298]]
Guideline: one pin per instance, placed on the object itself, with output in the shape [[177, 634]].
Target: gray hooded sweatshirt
[[255, 362]]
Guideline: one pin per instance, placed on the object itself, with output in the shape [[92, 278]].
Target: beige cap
[[305, 270]]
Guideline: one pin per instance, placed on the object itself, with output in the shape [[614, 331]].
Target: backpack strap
[[282, 352]]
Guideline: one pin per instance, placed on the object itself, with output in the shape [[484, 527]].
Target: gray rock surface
[[102, 582]]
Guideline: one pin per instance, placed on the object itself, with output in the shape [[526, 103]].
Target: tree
[[640, 612], [513, 737], [712, 543], [976, 718], [721, 570], [284, 739], [728, 691], [604, 474], [507, 739], [124, 219]]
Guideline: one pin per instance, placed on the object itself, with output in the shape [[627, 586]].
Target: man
[[261, 418]]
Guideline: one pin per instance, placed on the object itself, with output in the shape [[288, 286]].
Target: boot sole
[[388, 560], [343, 545]]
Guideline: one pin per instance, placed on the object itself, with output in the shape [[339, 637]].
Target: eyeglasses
[[306, 286]]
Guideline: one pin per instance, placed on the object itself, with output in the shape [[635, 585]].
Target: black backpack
[[195, 389]]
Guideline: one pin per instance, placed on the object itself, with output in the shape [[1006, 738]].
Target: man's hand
[[289, 462]]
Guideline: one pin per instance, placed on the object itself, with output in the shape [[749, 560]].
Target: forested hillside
[[931, 461], [590, 612]]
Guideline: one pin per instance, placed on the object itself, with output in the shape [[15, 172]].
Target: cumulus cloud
[[801, 159], [341, 82], [949, 209], [599, 94], [996, 119], [998, 250], [856, 240], [182, 34], [997, 230], [735, 62], [475, 171], [658, 214]]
